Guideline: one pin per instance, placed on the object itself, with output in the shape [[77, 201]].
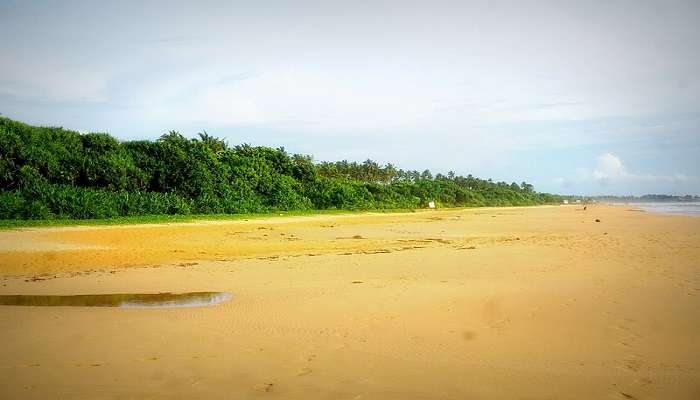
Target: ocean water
[[676, 208]]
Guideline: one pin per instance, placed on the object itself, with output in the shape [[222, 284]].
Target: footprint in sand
[[644, 381], [89, 365], [264, 387], [188, 264], [148, 359], [627, 396], [633, 364]]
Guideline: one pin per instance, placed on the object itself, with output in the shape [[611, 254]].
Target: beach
[[549, 302]]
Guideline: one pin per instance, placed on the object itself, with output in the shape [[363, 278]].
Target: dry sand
[[517, 303]]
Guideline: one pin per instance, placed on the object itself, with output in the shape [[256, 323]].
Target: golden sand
[[516, 303]]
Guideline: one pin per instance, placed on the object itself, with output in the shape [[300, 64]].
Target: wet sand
[[508, 303]]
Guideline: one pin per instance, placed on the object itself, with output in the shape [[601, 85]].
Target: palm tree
[[216, 145]]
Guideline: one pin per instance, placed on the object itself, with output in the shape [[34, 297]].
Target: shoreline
[[692, 209]]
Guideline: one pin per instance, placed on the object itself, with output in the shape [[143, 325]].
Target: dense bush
[[50, 172]]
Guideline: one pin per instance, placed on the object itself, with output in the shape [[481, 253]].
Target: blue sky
[[583, 97]]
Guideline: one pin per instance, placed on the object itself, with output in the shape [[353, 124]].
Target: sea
[[675, 208]]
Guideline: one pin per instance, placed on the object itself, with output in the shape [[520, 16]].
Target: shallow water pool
[[125, 300]]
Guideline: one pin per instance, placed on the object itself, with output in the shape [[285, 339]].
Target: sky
[[575, 97]]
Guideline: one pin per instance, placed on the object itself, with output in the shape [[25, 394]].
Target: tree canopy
[[49, 172]]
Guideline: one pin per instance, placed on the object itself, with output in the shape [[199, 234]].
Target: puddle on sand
[[126, 300]]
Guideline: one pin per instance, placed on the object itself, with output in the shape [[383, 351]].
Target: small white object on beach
[[431, 204], [565, 201]]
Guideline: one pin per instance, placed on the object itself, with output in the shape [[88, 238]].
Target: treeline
[[48, 172]]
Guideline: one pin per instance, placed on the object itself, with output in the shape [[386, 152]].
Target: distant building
[[565, 201]]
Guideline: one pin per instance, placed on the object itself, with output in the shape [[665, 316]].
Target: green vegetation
[[49, 173]]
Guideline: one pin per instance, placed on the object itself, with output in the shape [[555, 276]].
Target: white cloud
[[609, 167], [433, 64], [610, 170]]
